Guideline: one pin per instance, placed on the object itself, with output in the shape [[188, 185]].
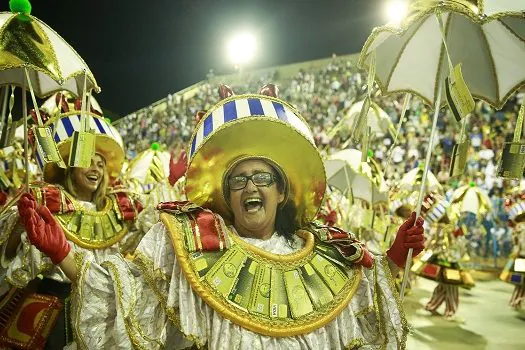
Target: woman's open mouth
[[93, 178], [252, 205]]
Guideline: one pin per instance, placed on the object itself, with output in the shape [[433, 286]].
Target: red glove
[[408, 236], [42, 229], [178, 169]]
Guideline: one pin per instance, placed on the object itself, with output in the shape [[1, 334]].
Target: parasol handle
[[83, 115], [26, 138], [371, 74], [35, 105], [5, 96], [6, 138], [444, 37], [364, 146], [406, 101], [437, 103], [350, 193]]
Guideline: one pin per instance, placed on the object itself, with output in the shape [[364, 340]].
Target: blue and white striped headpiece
[[518, 209], [401, 199], [247, 107], [108, 142], [437, 212], [434, 208], [257, 126]]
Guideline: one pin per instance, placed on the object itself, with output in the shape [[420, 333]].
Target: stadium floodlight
[[241, 48], [396, 10]]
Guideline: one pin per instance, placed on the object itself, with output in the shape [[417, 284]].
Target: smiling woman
[[88, 184], [243, 265], [254, 197], [79, 204]]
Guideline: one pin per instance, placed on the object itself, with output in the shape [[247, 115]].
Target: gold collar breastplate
[[270, 294], [92, 229]]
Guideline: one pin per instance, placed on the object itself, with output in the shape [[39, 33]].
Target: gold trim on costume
[[292, 259], [273, 295], [94, 229]]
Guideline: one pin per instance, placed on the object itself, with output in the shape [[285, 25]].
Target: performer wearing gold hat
[[441, 260], [78, 201], [242, 265]]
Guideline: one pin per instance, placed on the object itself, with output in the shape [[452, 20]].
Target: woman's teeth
[[251, 205], [93, 178]]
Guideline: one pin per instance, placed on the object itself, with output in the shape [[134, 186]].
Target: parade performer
[[469, 207], [441, 261], [242, 265], [157, 177], [363, 209], [514, 271], [35, 310]]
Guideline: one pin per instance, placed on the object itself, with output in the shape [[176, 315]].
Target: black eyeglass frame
[[273, 179]]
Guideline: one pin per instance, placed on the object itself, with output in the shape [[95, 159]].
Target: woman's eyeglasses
[[262, 179]]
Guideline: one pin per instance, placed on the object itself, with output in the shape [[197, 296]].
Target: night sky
[[139, 51]]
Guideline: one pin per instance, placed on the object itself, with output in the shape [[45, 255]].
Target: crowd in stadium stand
[[323, 96]]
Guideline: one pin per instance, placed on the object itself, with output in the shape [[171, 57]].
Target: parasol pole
[[33, 98], [26, 136], [5, 94], [7, 139], [349, 193], [406, 101], [437, 103]]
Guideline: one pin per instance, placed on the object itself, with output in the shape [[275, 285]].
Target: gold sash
[[94, 229], [271, 294]]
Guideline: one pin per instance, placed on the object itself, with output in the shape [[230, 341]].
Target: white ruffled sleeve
[[27, 262], [122, 304]]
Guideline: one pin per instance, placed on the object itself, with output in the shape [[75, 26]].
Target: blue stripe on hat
[[208, 125], [99, 126], [193, 145], [281, 113], [255, 106], [230, 111], [68, 126]]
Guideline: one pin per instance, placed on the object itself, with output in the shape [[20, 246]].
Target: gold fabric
[[94, 229], [274, 295], [32, 44]]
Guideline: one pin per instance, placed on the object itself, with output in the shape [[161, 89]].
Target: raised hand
[[408, 236], [178, 169], [42, 229]]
